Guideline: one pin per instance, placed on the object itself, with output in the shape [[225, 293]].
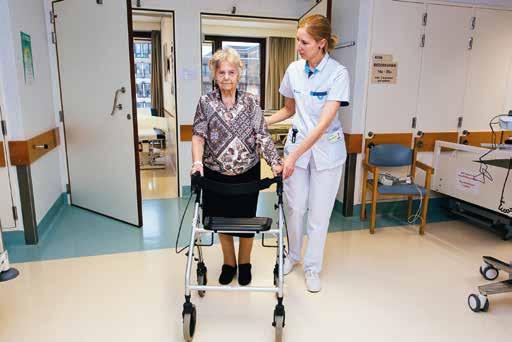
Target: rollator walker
[[215, 225]]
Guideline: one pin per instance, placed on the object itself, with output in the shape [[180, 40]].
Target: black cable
[[502, 199], [181, 223]]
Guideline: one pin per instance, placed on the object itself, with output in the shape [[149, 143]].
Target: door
[[444, 68], [6, 203], [396, 35], [489, 73], [95, 59]]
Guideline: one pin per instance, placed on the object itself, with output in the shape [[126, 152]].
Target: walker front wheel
[[189, 324]]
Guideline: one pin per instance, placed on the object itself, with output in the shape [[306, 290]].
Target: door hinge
[[61, 116], [425, 19], [422, 41], [68, 188], [54, 38], [473, 23], [459, 122], [53, 16], [15, 213], [4, 128], [414, 122], [470, 43]]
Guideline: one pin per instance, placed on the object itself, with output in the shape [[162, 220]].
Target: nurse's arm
[[329, 112], [284, 113]]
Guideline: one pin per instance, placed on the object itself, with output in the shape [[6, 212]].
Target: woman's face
[[226, 76], [307, 47]]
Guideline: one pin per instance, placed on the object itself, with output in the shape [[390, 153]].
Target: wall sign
[[384, 69]]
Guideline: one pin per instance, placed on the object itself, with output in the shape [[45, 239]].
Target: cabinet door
[[397, 31], [490, 69], [444, 67]]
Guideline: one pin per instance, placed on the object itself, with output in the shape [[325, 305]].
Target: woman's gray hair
[[229, 55]]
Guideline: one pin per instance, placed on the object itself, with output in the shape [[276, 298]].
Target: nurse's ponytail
[[319, 27]]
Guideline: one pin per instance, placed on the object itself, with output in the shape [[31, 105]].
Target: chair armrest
[[369, 167], [424, 167]]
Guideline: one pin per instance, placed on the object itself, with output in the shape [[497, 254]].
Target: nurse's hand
[[277, 170], [288, 166]]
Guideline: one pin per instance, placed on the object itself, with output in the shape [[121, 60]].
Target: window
[[142, 52], [252, 53]]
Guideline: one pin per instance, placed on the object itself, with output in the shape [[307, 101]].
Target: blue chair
[[393, 155]]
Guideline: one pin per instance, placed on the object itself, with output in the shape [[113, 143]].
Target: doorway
[[155, 83]]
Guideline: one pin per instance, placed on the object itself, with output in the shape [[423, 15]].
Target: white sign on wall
[[384, 69]]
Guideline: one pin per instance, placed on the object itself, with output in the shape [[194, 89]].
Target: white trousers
[[312, 192]]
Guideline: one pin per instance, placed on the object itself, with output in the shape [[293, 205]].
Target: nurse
[[314, 87]]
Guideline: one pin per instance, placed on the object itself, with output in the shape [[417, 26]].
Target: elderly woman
[[229, 131]]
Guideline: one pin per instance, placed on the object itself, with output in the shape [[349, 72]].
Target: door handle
[[116, 96]]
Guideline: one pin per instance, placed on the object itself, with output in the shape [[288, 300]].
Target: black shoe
[[244, 274], [227, 274]]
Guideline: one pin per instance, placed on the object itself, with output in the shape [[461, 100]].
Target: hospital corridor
[[286, 171]]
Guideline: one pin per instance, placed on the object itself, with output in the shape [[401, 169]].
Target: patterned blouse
[[233, 137]]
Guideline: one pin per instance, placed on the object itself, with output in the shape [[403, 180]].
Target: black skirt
[[216, 205]]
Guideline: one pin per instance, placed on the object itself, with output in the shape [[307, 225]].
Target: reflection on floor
[[391, 286], [158, 175]]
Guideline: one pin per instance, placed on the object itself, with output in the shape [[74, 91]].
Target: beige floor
[[160, 183], [393, 286]]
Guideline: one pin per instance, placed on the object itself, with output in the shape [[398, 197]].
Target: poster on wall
[[384, 69], [26, 52]]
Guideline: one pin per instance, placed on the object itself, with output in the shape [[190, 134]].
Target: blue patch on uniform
[[319, 94]]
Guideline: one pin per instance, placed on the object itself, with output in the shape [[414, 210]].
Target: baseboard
[[186, 190], [18, 237]]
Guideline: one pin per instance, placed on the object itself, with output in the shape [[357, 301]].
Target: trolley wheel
[[478, 303], [489, 272], [189, 324], [202, 277], [279, 326]]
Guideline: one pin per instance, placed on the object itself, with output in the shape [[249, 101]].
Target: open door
[[95, 61]]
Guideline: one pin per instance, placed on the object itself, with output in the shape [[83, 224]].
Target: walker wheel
[[478, 303], [489, 272], [279, 326], [202, 277], [189, 324]]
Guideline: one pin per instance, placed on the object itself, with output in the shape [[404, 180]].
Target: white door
[[490, 70], [444, 68], [397, 31], [6, 203], [95, 63]]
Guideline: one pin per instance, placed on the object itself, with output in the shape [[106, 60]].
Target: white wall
[[247, 31], [188, 49], [168, 85], [30, 108], [145, 26]]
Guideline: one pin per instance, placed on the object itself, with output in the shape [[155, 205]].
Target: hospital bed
[[479, 182], [153, 132]]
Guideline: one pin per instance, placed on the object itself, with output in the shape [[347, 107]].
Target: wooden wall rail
[[354, 142], [427, 142], [404, 139], [2, 154], [23, 153]]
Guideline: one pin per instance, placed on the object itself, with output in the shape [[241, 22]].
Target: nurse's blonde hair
[[319, 27], [229, 55]]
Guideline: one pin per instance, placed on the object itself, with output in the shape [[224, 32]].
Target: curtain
[[281, 54], [157, 100]]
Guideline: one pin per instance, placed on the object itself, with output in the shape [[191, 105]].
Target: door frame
[[173, 15], [134, 115]]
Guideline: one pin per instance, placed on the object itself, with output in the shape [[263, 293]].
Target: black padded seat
[[227, 224]]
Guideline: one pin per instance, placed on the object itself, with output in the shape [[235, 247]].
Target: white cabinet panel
[[397, 30], [490, 69], [444, 67]]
